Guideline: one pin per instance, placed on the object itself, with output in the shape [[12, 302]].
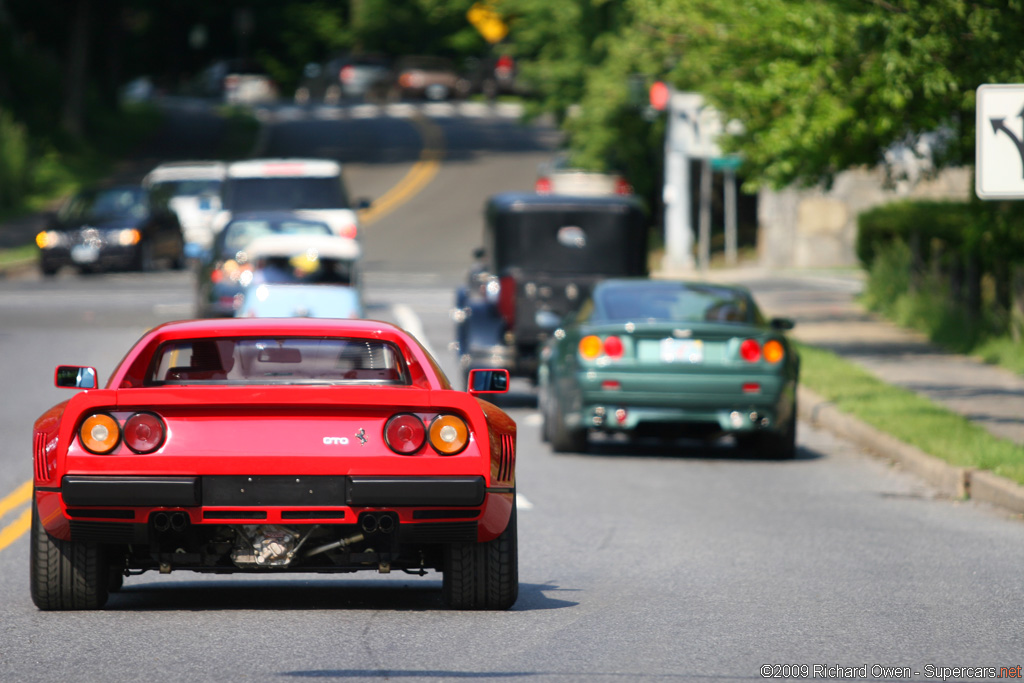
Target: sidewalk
[[823, 305]]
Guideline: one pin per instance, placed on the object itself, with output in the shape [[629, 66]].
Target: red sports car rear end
[[280, 445]]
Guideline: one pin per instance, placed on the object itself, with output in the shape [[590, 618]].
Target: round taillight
[[750, 350], [448, 434], [404, 433], [773, 351], [144, 432], [542, 186], [613, 347], [100, 433], [590, 347]]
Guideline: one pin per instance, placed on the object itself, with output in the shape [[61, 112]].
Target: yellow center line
[[19, 526], [18, 497], [418, 177], [13, 531]]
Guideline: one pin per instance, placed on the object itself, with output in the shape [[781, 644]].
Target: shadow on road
[[302, 595]]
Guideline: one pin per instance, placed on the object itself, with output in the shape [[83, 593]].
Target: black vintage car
[[112, 228], [541, 257]]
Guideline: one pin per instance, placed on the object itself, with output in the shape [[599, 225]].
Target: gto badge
[[335, 441], [361, 435]]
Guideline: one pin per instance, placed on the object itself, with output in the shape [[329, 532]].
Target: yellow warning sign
[[487, 22]]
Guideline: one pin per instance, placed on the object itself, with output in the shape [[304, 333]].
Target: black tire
[[563, 438], [47, 270], [144, 259], [483, 576], [66, 575]]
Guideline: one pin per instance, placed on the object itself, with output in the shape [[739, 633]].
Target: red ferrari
[[274, 445]]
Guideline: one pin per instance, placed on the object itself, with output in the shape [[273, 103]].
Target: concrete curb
[[950, 480]]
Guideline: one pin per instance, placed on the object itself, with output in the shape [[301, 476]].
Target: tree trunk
[[1017, 308], [972, 294], [75, 84]]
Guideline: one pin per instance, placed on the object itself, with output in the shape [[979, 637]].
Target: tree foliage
[[818, 85]]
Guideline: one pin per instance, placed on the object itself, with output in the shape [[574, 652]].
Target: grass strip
[[907, 416]]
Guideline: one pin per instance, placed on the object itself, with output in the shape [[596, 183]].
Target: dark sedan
[[113, 228], [671, 359], [226, 272]]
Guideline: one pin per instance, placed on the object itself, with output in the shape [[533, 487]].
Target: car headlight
[[48, 239], [128, 237]]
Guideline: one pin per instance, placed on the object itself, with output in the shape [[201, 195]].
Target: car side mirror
[[75, 377], [782, 323], [487, 382]]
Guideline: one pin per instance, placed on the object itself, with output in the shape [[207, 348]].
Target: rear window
[[656, 303], [287, 360], [284, 194], [239, 234]]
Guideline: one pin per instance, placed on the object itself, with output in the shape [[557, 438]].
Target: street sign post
[[999, 142]]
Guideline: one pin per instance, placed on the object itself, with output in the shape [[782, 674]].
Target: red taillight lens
[[613, 347], [448, 434], [100, 433], [144, 432], [623, 187], [774, 351], [542, 186], [404, 433], [216, 275], [346, 73], [750, 350], [592, 346], [507, 300]]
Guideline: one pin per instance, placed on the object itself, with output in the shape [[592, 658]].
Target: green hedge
[[991, 232]]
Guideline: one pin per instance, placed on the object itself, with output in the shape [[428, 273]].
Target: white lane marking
[[533, 419], [522, 503], [410, 322]]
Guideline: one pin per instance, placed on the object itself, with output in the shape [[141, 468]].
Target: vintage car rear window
[[279, 360]]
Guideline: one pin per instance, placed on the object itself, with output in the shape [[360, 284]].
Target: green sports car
[[671, 359]]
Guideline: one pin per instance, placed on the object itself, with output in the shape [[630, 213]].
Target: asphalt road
[[638, 562]]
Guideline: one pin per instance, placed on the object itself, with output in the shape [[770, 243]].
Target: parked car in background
[[491, 76], [350, 77], [304, 276], [313, 187], [224, 273], [194, 191], [426, 77], [671, 359], [274, 447], [127, 227], [557, 176], [248, 83], [541, 257]]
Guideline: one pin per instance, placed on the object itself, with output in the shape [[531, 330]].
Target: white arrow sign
[[999, 142]]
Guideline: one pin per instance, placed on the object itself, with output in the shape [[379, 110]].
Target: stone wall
[[815, 228]]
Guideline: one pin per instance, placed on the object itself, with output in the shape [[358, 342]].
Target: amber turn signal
[[448, 434], [100, 433]]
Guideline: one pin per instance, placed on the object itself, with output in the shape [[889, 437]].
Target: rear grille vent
[[508, 457], [39, 456]]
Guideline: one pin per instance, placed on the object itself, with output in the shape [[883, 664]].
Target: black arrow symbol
[[998, 125]]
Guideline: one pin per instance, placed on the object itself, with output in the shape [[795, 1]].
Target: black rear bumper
[[271, 490]]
